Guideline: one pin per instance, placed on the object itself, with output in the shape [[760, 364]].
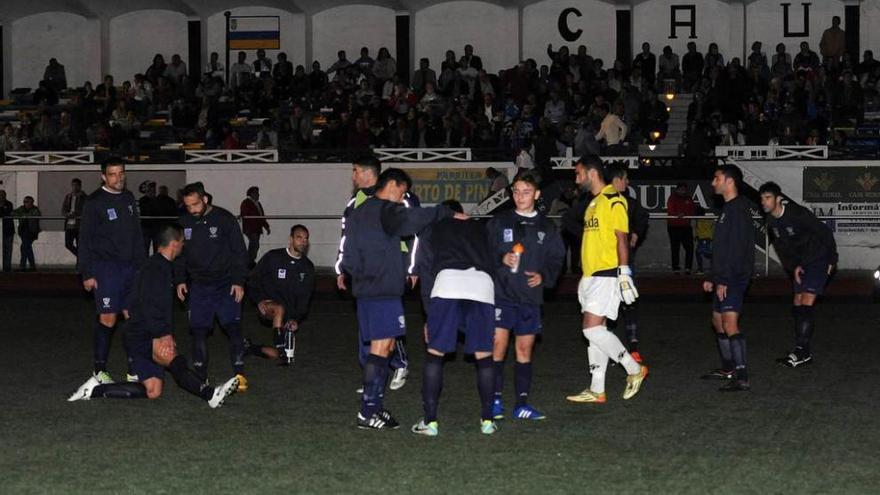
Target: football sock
[[278, 339], [120, 391], [486, 385], [738, 350], [608, 343], [102, 337], [724, 350], [432, 385], [375, 371], [804, 331], [200, 351], [236, 346], [522, 373], [630, 317], [188, 380], [598, 365], [798, 317], [499, 378]]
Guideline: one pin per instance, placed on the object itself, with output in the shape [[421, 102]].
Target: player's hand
[[268, 231], [830, 268], [413, 280], [708, 286], [164, 350], [534, 279], [628, 291], [291, 326], [509, 260], [633, 240], [798, 271], [340, 282], [90, 284], [238, 292], [181, 291], [460, 216], [126, 314], [721, 292]]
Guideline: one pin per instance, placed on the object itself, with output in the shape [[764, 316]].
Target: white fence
[[423, 154], [48, 157], [772, 152], [231, 156]]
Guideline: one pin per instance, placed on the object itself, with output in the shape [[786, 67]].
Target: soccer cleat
[[222, 392], [376, 422], [497, 409], [398, 379], [242, 383], [389, 419], [428, 429], [793, 361], [84, 392], [359, 390], [103, 377], [634, 383], [636, 356], [131, 378], [488, 427], [588, 396], [527, 412], [718, 374], [735, 386]]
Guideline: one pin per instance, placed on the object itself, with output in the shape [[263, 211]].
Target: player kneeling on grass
[[282, 284], [607, 280], [462, 298], [520, 279], [148, 339]]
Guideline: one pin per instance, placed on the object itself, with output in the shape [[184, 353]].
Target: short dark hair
[[772, 188], [168, 232], [298, 226], [253, 189], [112, 162], [76, 180], [392, 174], [369, 161], [194, 188], [453, 205], [731, 171], [615, 170], [592, 162], [528, 178]]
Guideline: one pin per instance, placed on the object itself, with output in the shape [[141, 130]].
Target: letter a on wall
[[686, 21]]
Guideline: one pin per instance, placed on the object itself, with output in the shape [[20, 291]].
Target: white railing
[[489, 204], [423, 154], [772, 152], [48, 157], [231, 156], [568, 161]]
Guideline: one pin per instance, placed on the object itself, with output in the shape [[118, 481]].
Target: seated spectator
[[554, 110], [44, 136], [340, 64], [868, 65], [385, 67], [365, 62], [10, 141], [781, 62], [806, 60], [713, 57], [156, 69], [267, 138], [45, 95], [757, 61], [432, 103], [423, 76]]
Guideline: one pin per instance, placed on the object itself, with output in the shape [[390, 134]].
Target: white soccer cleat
[[103, 377], [398, 379], [222, 392], [84, 392]]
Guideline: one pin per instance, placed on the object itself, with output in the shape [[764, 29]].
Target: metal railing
[[772, 152], [231, 156], [423, 154], [48, 157], [567, 162]]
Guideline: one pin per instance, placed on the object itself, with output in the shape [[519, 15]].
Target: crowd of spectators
[[531, 111]]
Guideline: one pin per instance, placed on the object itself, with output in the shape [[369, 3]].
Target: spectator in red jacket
[[253, 227], [681, 234]]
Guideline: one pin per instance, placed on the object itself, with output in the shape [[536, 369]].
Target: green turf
[[812, 430]]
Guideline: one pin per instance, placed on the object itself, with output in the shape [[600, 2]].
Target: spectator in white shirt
[[240, 73], [554, 109], [214, 68], [612, 130]]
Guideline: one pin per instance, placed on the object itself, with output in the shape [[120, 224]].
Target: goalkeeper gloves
[[628, 292]]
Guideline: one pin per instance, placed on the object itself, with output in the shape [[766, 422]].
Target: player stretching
[[607, 280], [282, 285], [373, 234], [111, 248], [806, 248], [520, 280], [733, 260], [212, 271], [148, 340]]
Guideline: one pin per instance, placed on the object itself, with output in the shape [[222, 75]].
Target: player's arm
[[401, 221], [349, 261], [340, 276], [554, 257], [620, 225], [238, 270], [304, 296], [257, 281], [85, 245]]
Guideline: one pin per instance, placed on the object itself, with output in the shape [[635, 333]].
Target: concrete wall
[[766, 24], [292, 34], [714, 22], [597, 21], [130, 53], [72, 39], [869, 37], [351, 27]]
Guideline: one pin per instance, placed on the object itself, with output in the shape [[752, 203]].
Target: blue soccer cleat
[[497, 409], [527, 412]]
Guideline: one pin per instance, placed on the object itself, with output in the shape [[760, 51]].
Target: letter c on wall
[[566, 32]]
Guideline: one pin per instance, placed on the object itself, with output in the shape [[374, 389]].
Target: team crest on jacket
[[541, 236], [508, 235], [106, 302], [402, 321], [302, 277], [213, 231], [130, 210]]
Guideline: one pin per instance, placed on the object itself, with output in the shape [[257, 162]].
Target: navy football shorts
[[114, 286], [521, 319], [446, 317], [207, 301], [814, 278], [736, 293], [380, 319]]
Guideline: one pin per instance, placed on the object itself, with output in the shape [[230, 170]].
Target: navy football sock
[[200, 351], [375, 371], [102, 338], [738, 350], [522, 373], [499, 379], [804, 332], [486, 385], [725, 351], [188, 380], [432, 385], [120, 391], [236, 346]]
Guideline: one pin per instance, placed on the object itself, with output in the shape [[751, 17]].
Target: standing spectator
[[385, 67], [253, 227], [833, 43], [240, 72], [146, 208], [214, 68], [806, 59], [28, 229], [691, 66], [55, 76], [757, 61], [8, 230], [282, 73], [365, 63], [470, 66], [164, 206], [262, 65], [341, 63], [714, 58], [71, 209], [781, 62], [705, 231], [156, 70], [612, 130], [646, 62], [681, 234], [176, 70], [423, 76], [669, 68]]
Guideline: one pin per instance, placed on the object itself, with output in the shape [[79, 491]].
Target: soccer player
[[456, 255], [281, 285], [606, 282], [733, 260], [364, 175], [638, 228], [212, 271], [148, 339], [520, 280], [806, 248], [111, 248], [372, 256]]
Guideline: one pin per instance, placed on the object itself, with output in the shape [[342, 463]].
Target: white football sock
[[598, 365], [611, 346]]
